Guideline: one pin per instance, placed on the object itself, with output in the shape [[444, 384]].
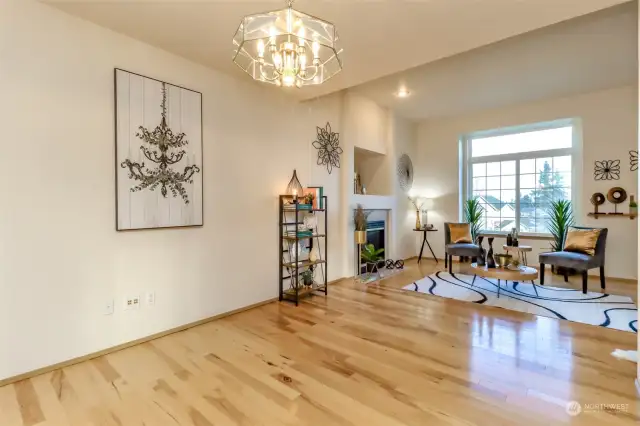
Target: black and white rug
[[605, 310]]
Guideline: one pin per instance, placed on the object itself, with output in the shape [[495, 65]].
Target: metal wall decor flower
[[327, 143], [607, 170], [633, 160]]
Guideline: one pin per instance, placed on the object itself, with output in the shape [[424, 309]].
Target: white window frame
[[467, 161]]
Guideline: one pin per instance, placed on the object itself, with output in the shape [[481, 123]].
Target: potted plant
[[371, 256], [308, 198], [560, 218], [473, 216], [360, 223], [307, 277]]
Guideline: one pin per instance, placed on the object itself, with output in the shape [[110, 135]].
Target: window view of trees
[[541, 181]]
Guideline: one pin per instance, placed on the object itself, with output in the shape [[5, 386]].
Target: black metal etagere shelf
[[292, 263]]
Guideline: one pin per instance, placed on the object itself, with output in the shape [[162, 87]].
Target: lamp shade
[[427, 204], [294, 187]]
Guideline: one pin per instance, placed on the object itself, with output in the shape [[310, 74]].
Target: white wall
[[609, 124], [61, 259], [366, 125]]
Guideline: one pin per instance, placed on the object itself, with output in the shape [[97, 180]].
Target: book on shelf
[[299, 233], [292, 207]]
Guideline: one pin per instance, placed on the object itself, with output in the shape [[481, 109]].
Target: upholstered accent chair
[[579, 261], [457, 249]]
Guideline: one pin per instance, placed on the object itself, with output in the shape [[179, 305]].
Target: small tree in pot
[[560, 219], [473, 216]]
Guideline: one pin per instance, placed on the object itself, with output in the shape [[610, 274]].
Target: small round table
[[525, 273], [521, 250]]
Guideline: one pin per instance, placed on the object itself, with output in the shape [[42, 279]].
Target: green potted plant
[[308, 198], [560, 218], [473, 216], [307, 277], [371, 256]]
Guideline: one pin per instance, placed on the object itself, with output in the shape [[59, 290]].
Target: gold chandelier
[[287, 48]]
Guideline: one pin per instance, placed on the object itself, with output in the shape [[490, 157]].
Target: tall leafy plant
[[473, 216], [560, 219]]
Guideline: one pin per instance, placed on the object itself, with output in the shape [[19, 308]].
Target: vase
[[491, 262], [418, 224], [360, 237], [483, 253], [314, 254]]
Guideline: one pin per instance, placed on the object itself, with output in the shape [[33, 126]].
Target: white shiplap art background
[[138, 103]]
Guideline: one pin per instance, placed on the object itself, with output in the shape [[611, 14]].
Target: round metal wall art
[[617, 195], [405, 173]]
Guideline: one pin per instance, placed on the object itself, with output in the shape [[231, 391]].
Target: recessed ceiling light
[[402, 93]]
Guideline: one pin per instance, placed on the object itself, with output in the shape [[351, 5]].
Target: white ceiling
[[588, 53], [380, 37]]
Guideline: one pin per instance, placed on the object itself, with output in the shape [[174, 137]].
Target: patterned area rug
[[604, 310]]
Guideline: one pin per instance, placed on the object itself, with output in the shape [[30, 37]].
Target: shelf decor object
[[633, 160], [405, 173], [287, 48], [616, 195], [300, 241], [597, 199], [294, 188], [633, 205]]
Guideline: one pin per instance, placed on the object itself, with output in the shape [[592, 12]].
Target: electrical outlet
[[108, 307], [151, 298], [132, 302]]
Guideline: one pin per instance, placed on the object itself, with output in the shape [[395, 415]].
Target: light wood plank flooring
[[365, 355]]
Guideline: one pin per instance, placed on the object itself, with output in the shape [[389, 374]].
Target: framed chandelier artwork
[[287, 48], [158, 154]]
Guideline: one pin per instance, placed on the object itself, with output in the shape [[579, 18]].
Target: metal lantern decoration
[[405, 173], [287, 48], [294, 188]]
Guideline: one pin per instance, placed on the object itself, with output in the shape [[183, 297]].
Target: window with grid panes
[[516, 173]]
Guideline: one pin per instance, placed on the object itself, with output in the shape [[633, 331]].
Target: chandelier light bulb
[[288, 80], [260, 48], [301, 34]]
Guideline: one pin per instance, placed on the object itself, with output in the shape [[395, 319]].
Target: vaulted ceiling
[[589, 53], [380, 37]]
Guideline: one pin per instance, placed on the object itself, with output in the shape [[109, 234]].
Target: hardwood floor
[[364, 355]]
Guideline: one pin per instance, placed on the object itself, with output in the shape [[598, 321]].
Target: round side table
[[521, 250], [525, 273]]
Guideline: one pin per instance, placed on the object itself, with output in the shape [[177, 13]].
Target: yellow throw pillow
[[582, 240], [460, 232]]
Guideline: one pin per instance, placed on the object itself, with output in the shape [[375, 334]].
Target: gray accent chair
[[457, 249], [579, 261]]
